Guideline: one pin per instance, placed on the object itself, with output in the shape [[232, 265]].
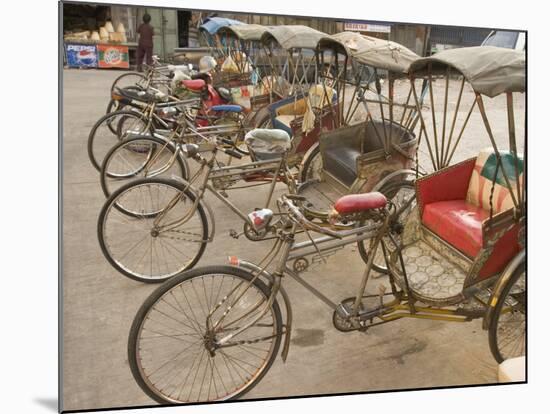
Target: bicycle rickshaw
[[305, 106], [372, 141], [243, 56], [272, 157], [454, 260]]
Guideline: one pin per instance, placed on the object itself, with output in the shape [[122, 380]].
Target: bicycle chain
[[183, 232]]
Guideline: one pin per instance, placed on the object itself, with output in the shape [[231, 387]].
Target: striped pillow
[[481, 181]]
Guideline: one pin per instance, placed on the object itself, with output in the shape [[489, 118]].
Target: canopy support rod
[[513, 144], [390, 91], [445, 116], [422, 123], [401, 122], [462, 131], [445, 161], [436, 146], [479, 100]]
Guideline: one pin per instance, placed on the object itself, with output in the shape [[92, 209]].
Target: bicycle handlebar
[[296, 215], [232, 153]]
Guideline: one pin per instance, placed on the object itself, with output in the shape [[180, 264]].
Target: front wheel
[[173, 348], [150, 229], [112, 128], [140, 157], [402, 195], [507, 327]]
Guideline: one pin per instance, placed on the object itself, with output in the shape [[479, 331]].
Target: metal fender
[[517, 261], [255, 269], [387, 178], [306, 156]]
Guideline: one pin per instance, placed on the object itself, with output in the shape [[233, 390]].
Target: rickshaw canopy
[[295, 36], [490, 70], [213, 24], [378, 53], [246, 32]]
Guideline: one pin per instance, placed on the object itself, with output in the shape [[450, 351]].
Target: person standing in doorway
[[145, 43]]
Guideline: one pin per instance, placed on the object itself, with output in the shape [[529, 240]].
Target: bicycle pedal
[[233, 233]]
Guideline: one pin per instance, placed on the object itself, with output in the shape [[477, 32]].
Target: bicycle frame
[[277, 167], [288, 250]]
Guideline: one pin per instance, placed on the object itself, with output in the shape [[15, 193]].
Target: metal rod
[[445, 115], [436, 146], [513, 146], [479, 100], [422, 123], [462, 131], [312, 289], [445, 161]]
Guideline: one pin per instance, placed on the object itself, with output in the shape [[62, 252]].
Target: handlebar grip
[[233, 153], [226, 141]]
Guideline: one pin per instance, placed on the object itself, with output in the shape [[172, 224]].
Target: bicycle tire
[[155, 143], [95, 154], [172, 253], [496, 350], [169, 292]]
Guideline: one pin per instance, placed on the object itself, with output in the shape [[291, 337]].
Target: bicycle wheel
[[140, 157], [403, 196], [104, 134], [134, 235], [507, 327], [130, 79], [313, 166], [170, 348]]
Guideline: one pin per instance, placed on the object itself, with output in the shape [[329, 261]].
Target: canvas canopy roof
[[295, 36], [490, 70], [213, 24], [252, 32], [378, 53]]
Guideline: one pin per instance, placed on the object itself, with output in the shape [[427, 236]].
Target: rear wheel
[[173, 352], [149, 229], [132, 79], [402, 194], [265, 122], [313, 166], [507, 327]]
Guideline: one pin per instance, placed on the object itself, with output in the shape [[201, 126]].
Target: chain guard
[[345, 325], [253, 235]]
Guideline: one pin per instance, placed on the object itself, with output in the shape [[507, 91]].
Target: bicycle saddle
[[267, 142], [227, 108], [356, 203], [195, 85], [141, 96]]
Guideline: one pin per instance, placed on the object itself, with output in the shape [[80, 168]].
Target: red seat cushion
[[194, 84], [458, 223], [355, 203]]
